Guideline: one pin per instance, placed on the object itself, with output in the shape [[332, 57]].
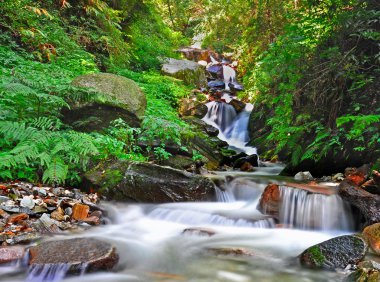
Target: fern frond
[[56, 171], [16, 131], [44, 123]]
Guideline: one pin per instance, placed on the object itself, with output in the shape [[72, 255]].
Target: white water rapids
[[153, 247]]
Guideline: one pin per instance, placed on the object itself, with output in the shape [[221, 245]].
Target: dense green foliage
[[44, 45], [310, 67]]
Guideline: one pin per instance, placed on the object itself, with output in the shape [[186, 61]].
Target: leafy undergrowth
[[43, 46]]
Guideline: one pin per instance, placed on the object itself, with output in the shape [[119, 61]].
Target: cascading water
[[305, 210], [153, 245], [233, 127], [229, 76], [47, 273]]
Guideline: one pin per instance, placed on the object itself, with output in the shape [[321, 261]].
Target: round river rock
[[77, 252], [335, 253]]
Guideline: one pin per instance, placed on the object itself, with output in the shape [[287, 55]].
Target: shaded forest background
[[310, 67]]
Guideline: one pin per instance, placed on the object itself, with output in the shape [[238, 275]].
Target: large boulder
[[190, 72], [75, 253], [150, 183], [118, 97], [338, 252]]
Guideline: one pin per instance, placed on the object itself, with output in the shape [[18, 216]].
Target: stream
[[154, 246], [225, 240]]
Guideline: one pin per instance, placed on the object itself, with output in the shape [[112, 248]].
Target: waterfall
[[229, 76], [305, 210], [47, 272], [233, 127], [224, 195], [221, 115]]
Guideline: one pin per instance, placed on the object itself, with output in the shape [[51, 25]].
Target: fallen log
[[367, 203]]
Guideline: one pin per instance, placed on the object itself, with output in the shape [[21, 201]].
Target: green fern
[[54, 152], [56, 171]]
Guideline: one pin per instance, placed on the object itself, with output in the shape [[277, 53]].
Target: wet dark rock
[[219, 143], [236, 86], [368, 204], [144, 182], [11, 254], [203, 126], [212, 131], [216, 84], [96, 254], [251, 159], [237, 104], [231, 159], [215, 70], [247, 167], [328, 164], [336, 253], [190, 72], [191, 107]]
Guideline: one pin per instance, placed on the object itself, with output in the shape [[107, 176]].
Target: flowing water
[[153, 246], [180, 241], [232, 126]]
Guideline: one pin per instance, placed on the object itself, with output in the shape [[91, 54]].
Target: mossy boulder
[[335, 253], [191, 73], [148, 183], [118, 97]]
